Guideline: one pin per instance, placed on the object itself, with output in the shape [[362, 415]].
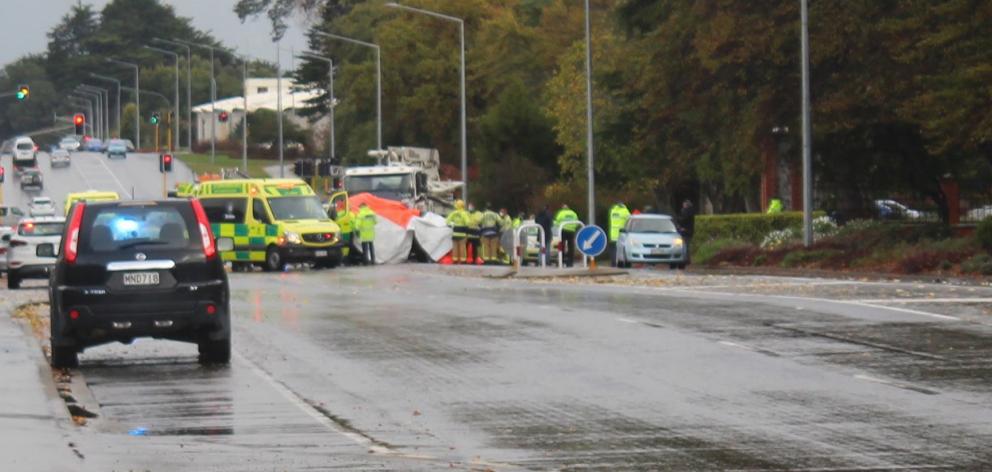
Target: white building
[[261, 95]]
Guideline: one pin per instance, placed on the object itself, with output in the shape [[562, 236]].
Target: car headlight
[[678, 242], [293, 238]]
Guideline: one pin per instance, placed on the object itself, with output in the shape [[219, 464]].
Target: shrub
[[779, 237], [801, 258], [703, 253], [748, 227], [978, 264], [920, 260], [983, 233]]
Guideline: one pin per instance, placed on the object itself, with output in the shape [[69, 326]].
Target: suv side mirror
[[225, 244], [45, 250]]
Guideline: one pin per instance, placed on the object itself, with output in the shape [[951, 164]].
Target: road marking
[[309, 410], [812, 299], [862, 342], [749, 348], [927, 300], [112, 175], [901, 385]]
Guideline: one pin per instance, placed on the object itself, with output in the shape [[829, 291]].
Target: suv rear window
[[25, 146], [40, 229], [225, 210], [114, 228]]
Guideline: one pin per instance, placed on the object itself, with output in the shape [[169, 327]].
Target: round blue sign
[[591, 240]]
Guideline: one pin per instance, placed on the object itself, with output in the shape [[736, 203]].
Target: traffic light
[[154, 119], [79, 120], [23, 92], [3, 174], [223, 116], [165, 162]]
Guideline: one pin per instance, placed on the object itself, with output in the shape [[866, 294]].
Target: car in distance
[[30, 249], [60, 158], [117, 148], [41, 206], [69, 143], [130, 269], [25, 154], [31, 179], [651, 239]]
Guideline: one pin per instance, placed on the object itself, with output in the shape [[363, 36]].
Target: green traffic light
[[154, 119], [23, 92]]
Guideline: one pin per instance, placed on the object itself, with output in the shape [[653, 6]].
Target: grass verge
[[200, 164]]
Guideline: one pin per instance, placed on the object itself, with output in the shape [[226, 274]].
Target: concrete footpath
[[34, 423]]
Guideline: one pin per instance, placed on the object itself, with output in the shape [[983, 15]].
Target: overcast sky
[[24, 32]]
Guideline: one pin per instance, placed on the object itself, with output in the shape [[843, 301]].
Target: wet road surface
[[405, 368]]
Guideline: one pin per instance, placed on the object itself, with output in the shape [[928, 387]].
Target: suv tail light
[[207, 236], [71, 249]]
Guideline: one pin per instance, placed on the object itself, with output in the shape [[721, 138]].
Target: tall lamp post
[[137, 100], [330, 99], [213, 96], [175, 121], [461, 32], [590, 156], [98, 98], [118, 83], [807, 131], [378, 79], [189, 89], [105, 107]]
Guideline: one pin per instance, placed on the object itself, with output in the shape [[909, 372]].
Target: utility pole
[[189, 89], [807, 132], [590, 157], [137, 100], [378, 79], [118, 83], [282, 167]]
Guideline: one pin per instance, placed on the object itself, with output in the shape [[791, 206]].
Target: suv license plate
[[140, 278], [320, 253]]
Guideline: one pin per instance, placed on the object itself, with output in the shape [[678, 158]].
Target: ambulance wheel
[[273, 260]]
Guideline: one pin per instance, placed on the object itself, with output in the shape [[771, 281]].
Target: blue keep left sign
[[591, 240]]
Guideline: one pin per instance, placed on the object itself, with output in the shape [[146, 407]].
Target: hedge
[[747, 227]]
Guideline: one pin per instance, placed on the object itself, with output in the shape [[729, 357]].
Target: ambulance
[[89, 196], [273, 222]]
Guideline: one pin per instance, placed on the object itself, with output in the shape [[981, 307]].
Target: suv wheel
[[273, 260], [215, 352], [64, 357], [13, 280]]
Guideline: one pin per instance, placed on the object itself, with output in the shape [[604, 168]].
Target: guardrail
[[557, 230], [519, 253]]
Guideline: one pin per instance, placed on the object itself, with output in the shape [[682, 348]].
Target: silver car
[[60, 158], [651, 239]]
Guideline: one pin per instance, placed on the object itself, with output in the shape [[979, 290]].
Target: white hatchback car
[[32, 248], [651, 239], [41, 206]]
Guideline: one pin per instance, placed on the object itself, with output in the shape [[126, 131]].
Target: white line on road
[[927, 300], [891, 383], [113, 176]]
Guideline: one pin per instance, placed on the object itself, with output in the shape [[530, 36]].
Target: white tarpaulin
[[397, 227]]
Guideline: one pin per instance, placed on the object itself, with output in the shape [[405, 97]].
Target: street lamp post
[[98, 107], [378, 79], [175, 121], [189, 89], [282, 166], [118, 83], [590, 156], [807, 131], [330, 92], [464, 133], [105, 107], [137, 100], [213, 97]]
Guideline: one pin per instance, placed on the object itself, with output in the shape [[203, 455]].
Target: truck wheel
[[273, 260], [64, 357], [13, 280], [215, 352]]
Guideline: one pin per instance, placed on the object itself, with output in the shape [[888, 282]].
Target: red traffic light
[[78, 119], [165, 162], [168, 159]]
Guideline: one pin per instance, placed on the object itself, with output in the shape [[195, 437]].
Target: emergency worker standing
[[459, 222], [489, 232], [566, 219], [366, 233], [619, 214]]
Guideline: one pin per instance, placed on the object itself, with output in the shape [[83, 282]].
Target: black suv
[[131, 269]]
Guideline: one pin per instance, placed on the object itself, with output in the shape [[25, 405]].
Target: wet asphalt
[[411, 368]]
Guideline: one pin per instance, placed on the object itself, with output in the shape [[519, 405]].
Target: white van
[[25, 154]]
